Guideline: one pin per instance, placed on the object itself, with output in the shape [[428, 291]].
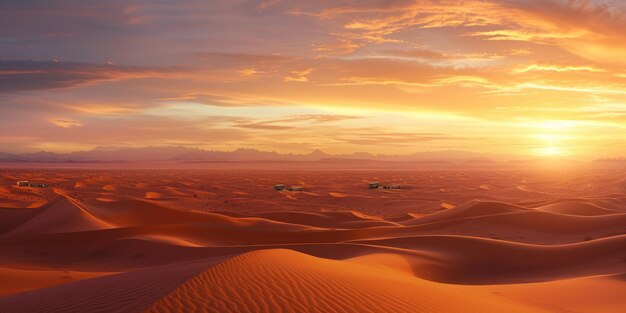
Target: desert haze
[[224, 240]]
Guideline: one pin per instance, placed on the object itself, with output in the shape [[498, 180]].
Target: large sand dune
[[291, 281], [577, 208], [101, 245], [62, 215]]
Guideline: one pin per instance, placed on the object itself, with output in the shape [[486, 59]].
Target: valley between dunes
[[215, 241]]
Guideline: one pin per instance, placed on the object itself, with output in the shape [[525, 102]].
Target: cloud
[[65, 123], [557, 68], [447, 69], [394, 138], [532, 36], [292, 121], [385, 19], [590, 29], [18, 76], [230, 58], [227, 100], [418, 54], [234, 66], [267, 4], [339, 46], [616, 90], [299, 75]]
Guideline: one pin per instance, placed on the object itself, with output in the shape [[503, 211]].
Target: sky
[[541, 78]]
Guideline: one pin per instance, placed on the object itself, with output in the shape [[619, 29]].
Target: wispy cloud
[[36, 75], [64, 123], [299, 75], [291, 121], [557, 68]]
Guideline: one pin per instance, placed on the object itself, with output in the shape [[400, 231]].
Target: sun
[[555, 138]]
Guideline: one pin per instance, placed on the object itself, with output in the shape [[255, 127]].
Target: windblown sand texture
[[225, 241]]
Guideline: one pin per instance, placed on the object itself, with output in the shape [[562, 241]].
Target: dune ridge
[[60, 216], [577, 208], [291, 281], [104, 246]]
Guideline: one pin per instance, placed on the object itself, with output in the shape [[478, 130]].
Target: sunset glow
[[521, 77], [430, 156], [552, 150]]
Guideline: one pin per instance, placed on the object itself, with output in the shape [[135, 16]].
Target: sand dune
[[441, 258], [225, 241], [126, 292], [125, 213], [284, 279], [588, 294], [290, 281], [60, 216], [14, 281], [470, 260], [343, 219], [577, 208], [616, 202], [12, 218], [471, 209], [148, 226], [505, 221]]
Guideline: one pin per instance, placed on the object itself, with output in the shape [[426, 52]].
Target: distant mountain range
[[186, 154]]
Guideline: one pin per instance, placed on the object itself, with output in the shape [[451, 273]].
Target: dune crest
[[60, 216], [577, 208], [225, 241], [284, 280]]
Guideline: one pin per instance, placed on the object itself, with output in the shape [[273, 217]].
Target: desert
[[215, 240], [349, 156]]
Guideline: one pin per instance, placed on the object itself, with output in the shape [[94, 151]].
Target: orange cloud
[[299, 75], [65, 123], [557, 68], [526, 35]]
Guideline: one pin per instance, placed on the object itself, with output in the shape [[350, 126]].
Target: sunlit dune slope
[[261, 281], [587, 294], [456, 259], [127, 213], [60, 216], [473, 208], [342, 219], [230, 243], [284, 280]]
